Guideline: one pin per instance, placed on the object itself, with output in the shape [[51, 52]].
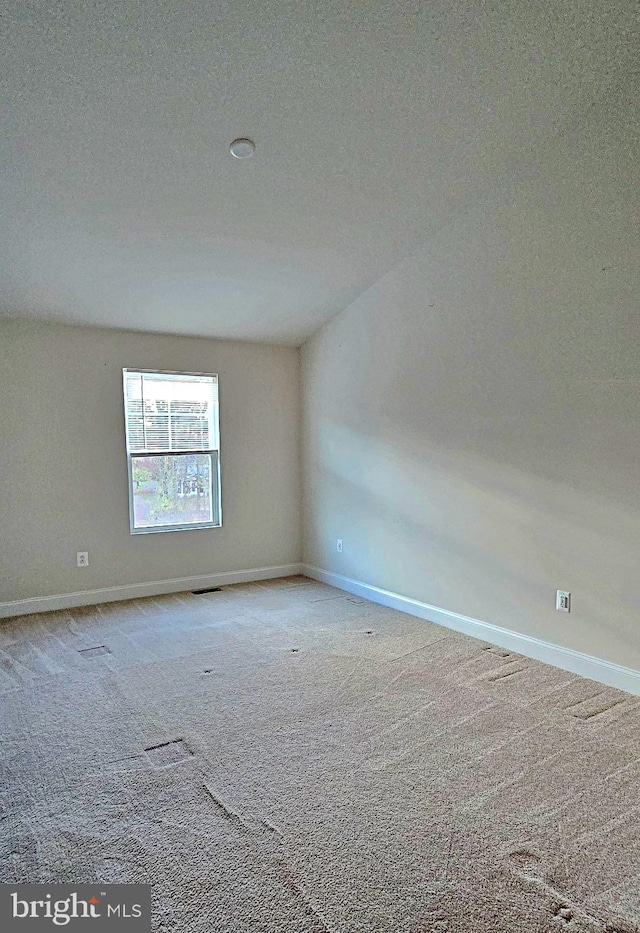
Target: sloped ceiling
[[374, 123]]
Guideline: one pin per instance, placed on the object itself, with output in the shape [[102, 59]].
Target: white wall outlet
[[563, 601], [83, 558], [339, 545]]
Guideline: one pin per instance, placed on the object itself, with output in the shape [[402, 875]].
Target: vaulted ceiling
[[374, 122]]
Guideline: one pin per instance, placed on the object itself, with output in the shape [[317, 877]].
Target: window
[[173, 450]]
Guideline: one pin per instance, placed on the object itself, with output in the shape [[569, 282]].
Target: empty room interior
[[320, 527]]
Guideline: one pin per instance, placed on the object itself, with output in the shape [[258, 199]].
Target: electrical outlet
[[563, 601], [339, 545], [83, 558]]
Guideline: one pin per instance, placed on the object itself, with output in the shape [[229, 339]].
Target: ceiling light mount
[[242, 148]]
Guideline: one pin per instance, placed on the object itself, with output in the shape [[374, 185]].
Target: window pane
[[174, 490], [171, 411]]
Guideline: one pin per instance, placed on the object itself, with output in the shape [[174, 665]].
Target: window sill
[[168, 528]]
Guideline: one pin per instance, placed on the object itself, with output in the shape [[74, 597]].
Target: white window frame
[[216, 497]]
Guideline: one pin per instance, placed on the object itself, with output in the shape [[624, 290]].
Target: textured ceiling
[[374, 123]]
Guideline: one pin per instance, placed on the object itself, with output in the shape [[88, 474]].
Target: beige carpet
[[283, 757]]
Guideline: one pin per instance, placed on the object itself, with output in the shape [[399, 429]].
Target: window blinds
[[170, 412]]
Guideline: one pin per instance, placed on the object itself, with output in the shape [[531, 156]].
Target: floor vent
[[94, 652], [168, 753], [211, 589]]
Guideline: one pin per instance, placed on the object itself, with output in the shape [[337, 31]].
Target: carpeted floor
[[284, 757]]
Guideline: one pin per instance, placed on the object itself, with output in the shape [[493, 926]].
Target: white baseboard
[[109, 594], [604, 672]]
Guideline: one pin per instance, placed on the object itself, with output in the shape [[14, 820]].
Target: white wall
[[63, 467], [471, 422]]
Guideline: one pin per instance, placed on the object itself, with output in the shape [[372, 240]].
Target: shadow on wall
[[478, 536]]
